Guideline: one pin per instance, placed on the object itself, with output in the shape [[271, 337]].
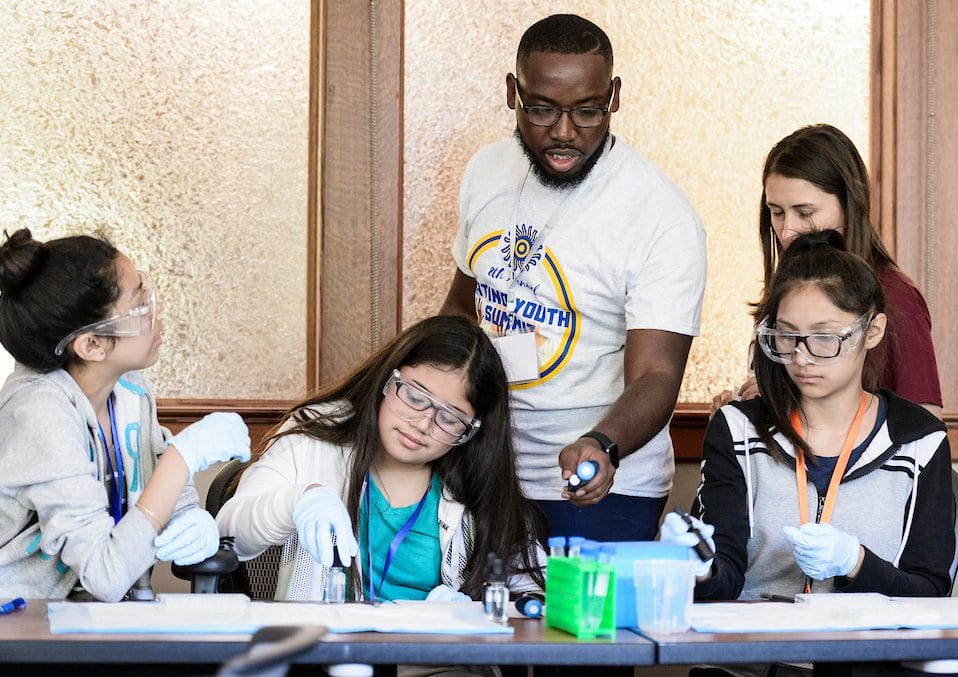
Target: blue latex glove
[[318, 514], [822, 551], [676, 531], [190, 537], [443, 593], [216, 437]]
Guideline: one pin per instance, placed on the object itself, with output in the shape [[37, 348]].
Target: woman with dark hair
[[415, 445], [823, 483], [91, 492], [815, 179]]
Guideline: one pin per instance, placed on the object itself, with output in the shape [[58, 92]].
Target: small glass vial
[[495, 596], [335, 592], [335, 585]]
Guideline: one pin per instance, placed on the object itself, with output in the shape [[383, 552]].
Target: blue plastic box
[[626, 553]]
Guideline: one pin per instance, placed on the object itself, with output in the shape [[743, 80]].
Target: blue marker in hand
[[584, 472]]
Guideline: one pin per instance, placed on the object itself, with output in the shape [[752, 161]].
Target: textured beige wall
[[180, 129], [708, 86]]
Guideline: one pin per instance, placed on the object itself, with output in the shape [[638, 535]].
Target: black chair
[[223, 572]]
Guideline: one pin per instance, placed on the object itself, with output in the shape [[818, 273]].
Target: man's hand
[[586, 449]]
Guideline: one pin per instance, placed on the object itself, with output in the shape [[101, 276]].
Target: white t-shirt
[[622, 250]]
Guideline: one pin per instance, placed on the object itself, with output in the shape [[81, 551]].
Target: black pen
[[702, 549], [777, 598]]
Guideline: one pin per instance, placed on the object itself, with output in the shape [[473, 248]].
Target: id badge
[[519, 356]]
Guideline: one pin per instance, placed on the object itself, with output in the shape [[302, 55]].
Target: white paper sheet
[[236, 614], [833, 611]]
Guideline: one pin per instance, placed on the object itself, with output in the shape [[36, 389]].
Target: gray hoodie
[[55, 525]]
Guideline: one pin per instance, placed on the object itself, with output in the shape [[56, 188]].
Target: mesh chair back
[[256, 577], [261, 574]]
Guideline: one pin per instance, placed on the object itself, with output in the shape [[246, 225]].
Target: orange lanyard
[[801, 477]]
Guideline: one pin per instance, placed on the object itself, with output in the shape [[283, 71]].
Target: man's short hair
[[564, 34]]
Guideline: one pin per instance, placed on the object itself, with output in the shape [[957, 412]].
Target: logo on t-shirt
[[520, 287]]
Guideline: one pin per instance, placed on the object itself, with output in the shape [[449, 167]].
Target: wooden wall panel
[[360, 200], [926, 148]]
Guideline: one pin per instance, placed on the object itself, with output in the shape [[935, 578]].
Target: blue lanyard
[[117, 483], [394, 543]]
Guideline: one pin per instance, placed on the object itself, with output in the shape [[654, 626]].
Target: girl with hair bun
[[823, 483], [92, 492]]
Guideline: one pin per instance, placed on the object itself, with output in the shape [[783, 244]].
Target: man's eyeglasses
[[780, 346], [546, 116], [411, 403], [134, 322]]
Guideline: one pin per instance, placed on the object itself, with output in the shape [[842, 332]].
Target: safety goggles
[[134, 322], [411, 403], [819, 348]]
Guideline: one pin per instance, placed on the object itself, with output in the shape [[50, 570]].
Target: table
[[868, 649], [868, 645], [25, 638]]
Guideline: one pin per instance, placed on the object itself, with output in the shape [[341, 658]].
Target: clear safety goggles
[[134, 322], [821, 348], [411, 403]]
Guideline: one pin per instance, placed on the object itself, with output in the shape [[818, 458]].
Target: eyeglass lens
[[419, 401], [546, 116], [817, 345]]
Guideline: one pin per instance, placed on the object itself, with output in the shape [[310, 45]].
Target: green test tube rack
[[580, 597]]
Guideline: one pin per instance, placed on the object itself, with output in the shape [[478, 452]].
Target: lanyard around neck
[[801, 477], [394, 543], [117, 483], [558, 213]]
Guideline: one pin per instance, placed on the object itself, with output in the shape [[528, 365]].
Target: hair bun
[[813, 240], [20, 257]]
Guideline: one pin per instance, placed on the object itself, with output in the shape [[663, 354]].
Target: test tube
[[575, 545], [556, 546], [606, 553], [589, 550]]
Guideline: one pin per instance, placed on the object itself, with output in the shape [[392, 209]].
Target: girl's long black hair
[[817, 259], [480, 474]]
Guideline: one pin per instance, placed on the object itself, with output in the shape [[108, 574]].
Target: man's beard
[[560, 181]]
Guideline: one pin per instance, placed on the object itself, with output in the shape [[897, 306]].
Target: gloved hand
[[822, 551], [216, 437], [443, 593], [676, 531], [190, 537], [319, 513]]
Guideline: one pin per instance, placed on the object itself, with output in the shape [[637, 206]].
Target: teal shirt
[[414, 570]]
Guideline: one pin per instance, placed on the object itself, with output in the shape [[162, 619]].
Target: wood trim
[[361, 157], [314, 216], [883, 152], [689, 422], [261, 416]]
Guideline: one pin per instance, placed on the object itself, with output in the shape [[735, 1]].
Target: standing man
[[588, 264]]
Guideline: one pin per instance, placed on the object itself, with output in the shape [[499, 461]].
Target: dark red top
[[907, 353]]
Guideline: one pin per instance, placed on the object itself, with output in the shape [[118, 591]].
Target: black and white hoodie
[[896, 498]]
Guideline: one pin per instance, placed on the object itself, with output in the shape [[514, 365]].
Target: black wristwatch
[[608, 446]]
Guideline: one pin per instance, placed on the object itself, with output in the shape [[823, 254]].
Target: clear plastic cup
[[663, 594]]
